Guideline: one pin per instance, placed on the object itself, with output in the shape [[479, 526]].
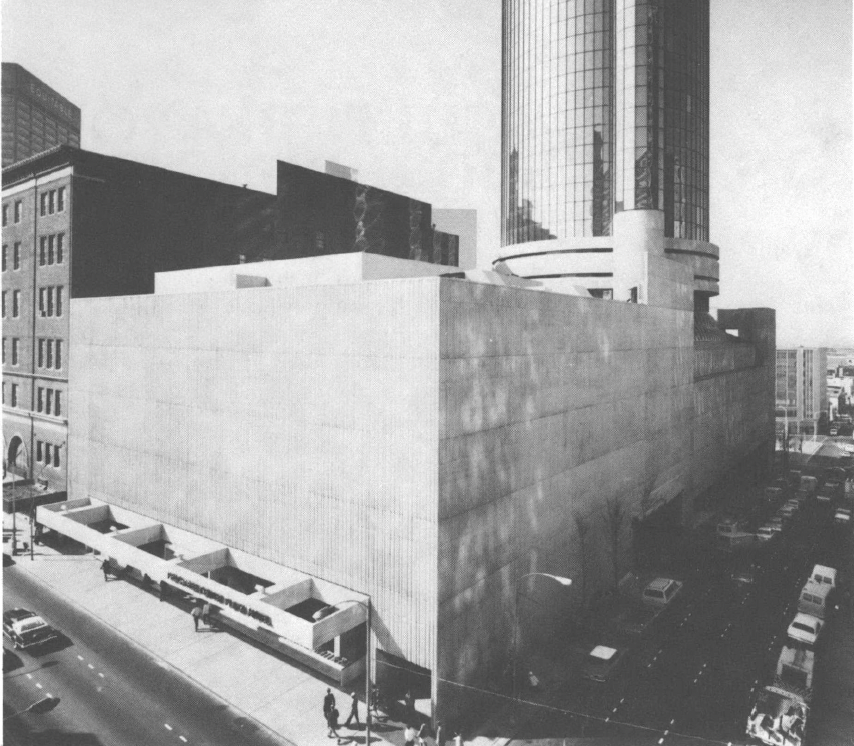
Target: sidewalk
[[277, 693]]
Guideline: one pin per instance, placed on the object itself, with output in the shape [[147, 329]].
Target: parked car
[[766, 533], [824, 574], [601, 662], [805, 629], [661, 591], [745, 575], [787, 511], [27, 629], [776, 523], [842, 517]]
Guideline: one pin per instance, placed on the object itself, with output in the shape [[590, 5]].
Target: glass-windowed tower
[[605, 140]]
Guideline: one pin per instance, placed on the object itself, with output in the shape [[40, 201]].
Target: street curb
[[135, 643]]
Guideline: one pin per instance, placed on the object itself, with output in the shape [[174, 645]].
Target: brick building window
[[39, 399], [59, 301], [19, 209], [60, 240], [51, 240], [58, 360], [4, 304], [49, 356], [41, 353], [4, 350], [42, 251], [5, 215], [56, 457], [5, 249], [51, 201], [60, 199], [43, 204], [15, 343], [16, 303], [16, 256], [14, 395], [39, 451], [57, 403]]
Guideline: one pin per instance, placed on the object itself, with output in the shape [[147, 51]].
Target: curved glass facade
[[605, 108]]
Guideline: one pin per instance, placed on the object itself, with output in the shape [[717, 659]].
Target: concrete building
[[605, 142], [421, 436], [35, 116], [801, 388], [78, 224], [462, 223]]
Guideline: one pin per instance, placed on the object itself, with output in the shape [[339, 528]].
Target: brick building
[[78, 224]]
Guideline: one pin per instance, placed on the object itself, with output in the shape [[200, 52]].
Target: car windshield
[[803, 627]]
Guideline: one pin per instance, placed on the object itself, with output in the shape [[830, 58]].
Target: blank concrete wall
[[298, 424], [550, 405]]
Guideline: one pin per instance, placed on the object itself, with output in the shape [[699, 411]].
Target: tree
[[615, 517]]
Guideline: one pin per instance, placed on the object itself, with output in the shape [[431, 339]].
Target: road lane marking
[[673, 721], [29, 676], [100, 674], [183, 739], [38, 686], [167, 726], [80, 657], [91, 666]]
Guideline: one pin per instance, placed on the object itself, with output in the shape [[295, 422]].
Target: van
[[814, 599], [825, 575]]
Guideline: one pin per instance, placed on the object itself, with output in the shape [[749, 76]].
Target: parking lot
[[695, 668]]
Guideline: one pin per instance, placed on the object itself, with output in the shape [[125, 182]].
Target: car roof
[[806, 619], [817, 589], [824, 570], [660, 584], [602, 652], [18, 613]]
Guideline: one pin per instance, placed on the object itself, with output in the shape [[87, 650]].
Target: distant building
[[342, 172], [35, 116], [319, 213], [801, 389], [462, 223], [78, 224]]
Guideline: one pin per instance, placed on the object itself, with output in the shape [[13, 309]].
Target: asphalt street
[[693, 676], [110, 691]]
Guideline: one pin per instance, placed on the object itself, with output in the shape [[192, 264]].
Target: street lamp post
[[560, 579], [367, 607]]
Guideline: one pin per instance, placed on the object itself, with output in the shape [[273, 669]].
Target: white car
[[805, 628], [661, 591], [842, 517]]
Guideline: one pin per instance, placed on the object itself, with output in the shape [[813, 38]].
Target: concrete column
[[636, 234]]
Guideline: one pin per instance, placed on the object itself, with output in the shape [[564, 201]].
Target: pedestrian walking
[[105, 568], [409, 705], [409, 736], [196, 613], [328, 702], [206, 613], [354, 710], [440, 734], [420, 736], [332, 722]]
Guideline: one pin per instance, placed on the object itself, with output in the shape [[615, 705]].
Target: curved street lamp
[[560, 579], [367, 607]]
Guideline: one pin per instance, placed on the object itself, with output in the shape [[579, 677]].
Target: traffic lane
[[94, 699], [132, 679]]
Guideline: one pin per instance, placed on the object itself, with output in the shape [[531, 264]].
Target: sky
[[409, 93]]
